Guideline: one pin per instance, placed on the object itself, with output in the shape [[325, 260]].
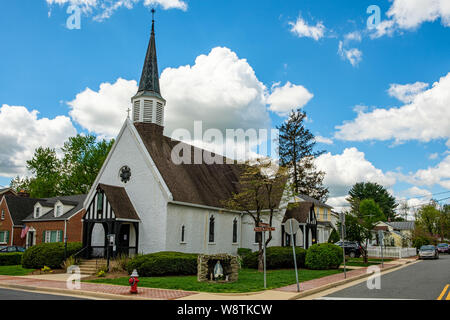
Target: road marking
[[443, 293]]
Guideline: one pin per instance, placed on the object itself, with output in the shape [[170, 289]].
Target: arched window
[[235, 225], [211, 229], [182, 233]]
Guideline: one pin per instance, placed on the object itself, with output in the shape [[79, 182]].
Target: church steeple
[[148, 104]]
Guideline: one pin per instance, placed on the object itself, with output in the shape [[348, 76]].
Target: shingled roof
[[19, 207], [74, 200], [300, 212], [119, 201], [203, 184]]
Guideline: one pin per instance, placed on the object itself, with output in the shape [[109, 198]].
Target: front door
[[124, 239]]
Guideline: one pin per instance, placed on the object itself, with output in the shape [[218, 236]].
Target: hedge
[[323, 256], [48, 254], [243, 251], [276, 258], [164, 263], [11, 259]]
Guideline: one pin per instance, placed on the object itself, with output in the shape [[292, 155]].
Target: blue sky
[[299, 45]]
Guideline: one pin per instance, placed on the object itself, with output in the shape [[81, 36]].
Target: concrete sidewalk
[[56, 283]]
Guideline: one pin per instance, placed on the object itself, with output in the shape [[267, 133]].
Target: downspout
[[65, 231], [12, 234]]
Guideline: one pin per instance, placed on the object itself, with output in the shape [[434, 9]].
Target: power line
[[421, 204], [431, 194]]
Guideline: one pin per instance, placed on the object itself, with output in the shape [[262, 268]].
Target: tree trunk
[[261, 261], [366, 259]]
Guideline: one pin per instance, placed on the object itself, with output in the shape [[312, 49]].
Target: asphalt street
[[11, 294], [426, 279]]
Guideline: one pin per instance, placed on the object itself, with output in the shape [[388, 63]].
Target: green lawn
[[249, 281], [359, 262], [14, 271]]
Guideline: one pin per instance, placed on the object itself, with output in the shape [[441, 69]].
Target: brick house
[[55, 219], [6, 191], [13, 209]]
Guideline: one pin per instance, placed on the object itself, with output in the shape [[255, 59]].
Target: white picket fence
[[392, 252]]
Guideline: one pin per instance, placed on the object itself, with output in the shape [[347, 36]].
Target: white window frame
[[325, 214], [59, 210], [3, 214], [37, 211]]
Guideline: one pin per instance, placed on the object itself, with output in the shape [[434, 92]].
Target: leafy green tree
[[428, 217], [360, 224], [296, 149], [376, 192], [46, 168], [83, 159], [74, 173]]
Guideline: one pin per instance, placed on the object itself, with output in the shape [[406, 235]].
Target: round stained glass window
[[125, 174]]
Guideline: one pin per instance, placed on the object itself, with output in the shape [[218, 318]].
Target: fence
[[392, 252]]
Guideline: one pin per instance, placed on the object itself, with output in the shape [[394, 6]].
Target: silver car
[[428, 252]]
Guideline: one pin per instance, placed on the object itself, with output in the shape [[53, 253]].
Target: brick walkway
[[315, 283], [146, 293]]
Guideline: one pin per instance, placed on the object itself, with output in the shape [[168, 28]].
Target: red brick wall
[[17, 240], [74, 228], [6, 224]]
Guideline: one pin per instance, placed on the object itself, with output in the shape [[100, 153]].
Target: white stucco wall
[[143, 189], [196, 222]]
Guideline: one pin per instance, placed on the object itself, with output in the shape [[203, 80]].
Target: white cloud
[[353, 36], [433, 156], [22, 132], [426, 118], [324, 140], [418, 192], [353, 55], [103, 111], [290, 96], [407, 92], [437, 175], [338, 203], [104, 9], [345, 169], [301, 29], [220, 89], [410, 14]]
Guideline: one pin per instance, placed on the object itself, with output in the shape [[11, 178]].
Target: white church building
[[142, 202]]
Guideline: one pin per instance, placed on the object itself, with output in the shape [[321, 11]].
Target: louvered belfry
[[148, 104]]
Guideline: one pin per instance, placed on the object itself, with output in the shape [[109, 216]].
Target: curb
[[81, 293], [341, 282]]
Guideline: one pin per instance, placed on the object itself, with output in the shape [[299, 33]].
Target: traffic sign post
[[292, 230], [263, 227], [381, 239], [342, 218]]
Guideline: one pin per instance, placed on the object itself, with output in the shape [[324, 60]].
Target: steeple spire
[[148, 104], [149, 83]]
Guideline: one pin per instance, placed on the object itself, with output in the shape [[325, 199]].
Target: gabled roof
[[75, 200], [315, 201], [402, 225], [119, 201], [5, 190], [19, 207], [300, 212], [203, 184]]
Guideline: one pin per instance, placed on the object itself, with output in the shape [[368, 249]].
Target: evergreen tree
[[297, 152]]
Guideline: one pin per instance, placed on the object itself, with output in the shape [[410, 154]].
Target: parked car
[[352, 248], [443, 248], [12, 249], [428, 252]]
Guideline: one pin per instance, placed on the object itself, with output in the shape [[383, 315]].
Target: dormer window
[[37, 212]]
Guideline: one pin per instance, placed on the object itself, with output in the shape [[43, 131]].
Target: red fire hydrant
[[133, 281]]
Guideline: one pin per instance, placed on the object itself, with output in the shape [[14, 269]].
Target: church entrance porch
[[110, 225]]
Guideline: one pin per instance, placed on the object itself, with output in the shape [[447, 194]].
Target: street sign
[[264, 229], [291, 226], [262, 224], [380, 235]]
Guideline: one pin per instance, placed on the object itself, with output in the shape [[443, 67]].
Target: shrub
[[243, 251], [48, 254], [323, 256], [277, 258], [11, 259], [164, 263]]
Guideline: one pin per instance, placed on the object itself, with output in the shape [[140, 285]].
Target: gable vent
[[159, 113]]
